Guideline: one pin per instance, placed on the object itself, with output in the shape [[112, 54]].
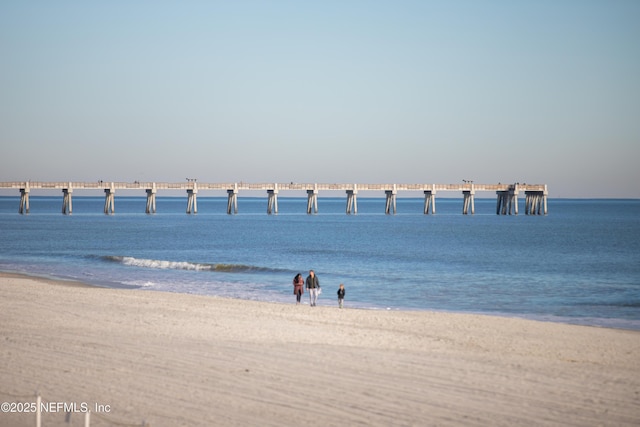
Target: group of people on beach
[[313, 287]]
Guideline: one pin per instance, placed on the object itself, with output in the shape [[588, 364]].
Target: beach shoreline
[[609, 323], [178, 359]]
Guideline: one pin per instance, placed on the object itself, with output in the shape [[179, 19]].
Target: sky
[[402, 91]]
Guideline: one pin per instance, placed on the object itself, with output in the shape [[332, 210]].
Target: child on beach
[[341, 293]]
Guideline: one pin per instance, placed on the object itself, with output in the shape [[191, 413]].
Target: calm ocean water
[[579, 264]]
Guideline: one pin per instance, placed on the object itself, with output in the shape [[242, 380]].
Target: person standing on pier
[[313, 286], [298, 287]]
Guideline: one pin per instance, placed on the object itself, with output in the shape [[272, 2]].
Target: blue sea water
[[578, 264]]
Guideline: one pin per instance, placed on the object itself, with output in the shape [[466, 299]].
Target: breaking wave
[[184, 265]]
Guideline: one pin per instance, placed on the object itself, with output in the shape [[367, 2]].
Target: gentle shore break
[[183, 360]]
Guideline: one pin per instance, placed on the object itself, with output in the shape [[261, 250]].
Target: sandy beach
[[183, 360]]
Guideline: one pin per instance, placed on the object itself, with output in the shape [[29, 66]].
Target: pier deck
[[140, 185], [507, 194]]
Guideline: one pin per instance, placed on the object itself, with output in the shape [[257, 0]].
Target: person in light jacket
[[313, 286]]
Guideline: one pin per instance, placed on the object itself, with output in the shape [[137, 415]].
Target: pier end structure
[[536, 202]]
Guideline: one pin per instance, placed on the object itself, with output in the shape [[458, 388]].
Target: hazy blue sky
[[324, 91]]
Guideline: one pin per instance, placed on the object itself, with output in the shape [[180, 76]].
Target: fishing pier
[[506, 204]]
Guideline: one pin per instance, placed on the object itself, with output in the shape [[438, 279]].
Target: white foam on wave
[[164, 265], [139, 283]]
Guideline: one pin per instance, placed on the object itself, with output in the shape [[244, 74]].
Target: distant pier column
[[531, 199], [536, 202], [429, 201], [468, 201], [151, 199], [24, 199], [109, 200], [192, 199], [232, 199], [352, 200], [391, 200], [507, 202], [501, 202], [272, 203], [312, 200], [67, 205]]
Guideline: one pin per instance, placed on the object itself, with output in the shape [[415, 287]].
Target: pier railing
[[507, 194]]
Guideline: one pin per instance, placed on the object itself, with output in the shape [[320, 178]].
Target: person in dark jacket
[[298, 287], [313, 286], [341, 293]]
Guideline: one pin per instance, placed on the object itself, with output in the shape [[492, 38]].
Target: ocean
[[579, 264]]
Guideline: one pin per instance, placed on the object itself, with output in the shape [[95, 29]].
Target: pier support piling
[[151, 199], [507, 201], [67, 205], [352, 200], [232, 200], [469, 203], [24, 200], [391, 200], [109, 200], [535, 202], [429, 201], [272, 203], [192, 199], [312, 200], [501, 202]]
